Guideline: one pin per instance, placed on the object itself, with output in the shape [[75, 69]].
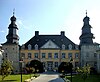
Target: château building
[[51, 50]]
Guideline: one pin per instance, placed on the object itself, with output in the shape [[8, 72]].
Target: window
[[69, 55], [43, 55], [70, 47], [87, 55], [14, 31], [23, 55], [95, 64], [63, 47], [36, 47], [35, 55], [49, 55], [76, 55], [95, 55], [56, 64], [56, 55], [6, 55], [29, 47], [29, 55], [63, 55]]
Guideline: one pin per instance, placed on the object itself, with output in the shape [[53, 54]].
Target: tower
[[87, 47], [86, 36], [12, 36], [11, 46]]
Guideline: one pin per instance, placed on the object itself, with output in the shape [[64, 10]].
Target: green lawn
[[15, 78], [90, 78]]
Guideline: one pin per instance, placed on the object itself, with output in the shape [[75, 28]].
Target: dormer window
[[70, 47], [63, 47], [29, 47], [36, 47]]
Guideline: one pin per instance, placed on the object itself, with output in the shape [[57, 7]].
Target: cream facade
[[51, 58]]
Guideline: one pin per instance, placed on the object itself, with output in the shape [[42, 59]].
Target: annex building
[[51, 50]]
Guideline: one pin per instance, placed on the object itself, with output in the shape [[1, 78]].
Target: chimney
[[36, 33], [62, 33]]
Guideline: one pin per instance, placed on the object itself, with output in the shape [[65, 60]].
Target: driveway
[[48, 77]]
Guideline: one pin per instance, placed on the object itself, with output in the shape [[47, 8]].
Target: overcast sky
[[49, 17]]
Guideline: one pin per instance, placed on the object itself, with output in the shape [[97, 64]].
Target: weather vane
[[86, 12], [14, 11]]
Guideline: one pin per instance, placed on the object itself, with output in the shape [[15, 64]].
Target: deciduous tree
[[84, 71], [6, 68]]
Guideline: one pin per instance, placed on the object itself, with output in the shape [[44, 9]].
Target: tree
[[6, 68], [84, 71], [37, 65], [65, 67]]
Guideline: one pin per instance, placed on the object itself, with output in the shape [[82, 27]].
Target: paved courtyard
[[48, 77]]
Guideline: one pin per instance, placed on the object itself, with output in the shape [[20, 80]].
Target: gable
[[50, 44]]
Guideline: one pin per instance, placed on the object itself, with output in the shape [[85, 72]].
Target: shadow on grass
[[8, 81]]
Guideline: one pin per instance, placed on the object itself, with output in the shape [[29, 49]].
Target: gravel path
[[48, 77]]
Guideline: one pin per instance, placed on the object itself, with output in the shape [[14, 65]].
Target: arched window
[[63, 47], [29, 47], [36, 47], [70, 47]]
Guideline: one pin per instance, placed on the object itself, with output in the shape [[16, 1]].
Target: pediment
[[50, 44]]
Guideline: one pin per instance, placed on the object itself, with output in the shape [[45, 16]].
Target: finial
[[86, 13], [13, 11]]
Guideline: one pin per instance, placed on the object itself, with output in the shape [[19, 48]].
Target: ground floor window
[[56, 64]]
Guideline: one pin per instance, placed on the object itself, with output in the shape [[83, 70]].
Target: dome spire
[[13, 18]]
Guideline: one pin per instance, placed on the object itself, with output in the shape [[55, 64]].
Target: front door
[[50, 65]]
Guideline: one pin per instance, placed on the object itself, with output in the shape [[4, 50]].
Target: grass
[[90, 78], [16, 78]]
